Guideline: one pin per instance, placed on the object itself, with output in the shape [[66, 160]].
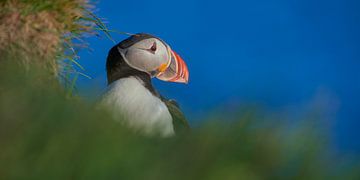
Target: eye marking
[[153, 47]]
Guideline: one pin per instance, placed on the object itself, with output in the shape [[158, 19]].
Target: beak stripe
[[181, 69], [176, 70]]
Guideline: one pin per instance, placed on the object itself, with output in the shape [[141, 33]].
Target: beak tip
[[187, 80]]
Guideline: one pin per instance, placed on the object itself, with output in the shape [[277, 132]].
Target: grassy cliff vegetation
[[46, 135], [47, 34]]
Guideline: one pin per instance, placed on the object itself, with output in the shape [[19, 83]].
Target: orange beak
[[175, 71]]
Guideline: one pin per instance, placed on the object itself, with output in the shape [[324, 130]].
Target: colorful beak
[[175, 71]]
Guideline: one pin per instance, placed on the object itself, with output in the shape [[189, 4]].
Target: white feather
[[129, 101]]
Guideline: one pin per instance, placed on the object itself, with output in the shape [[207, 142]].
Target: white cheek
[[162, 54], [142, 60], [163, 57]]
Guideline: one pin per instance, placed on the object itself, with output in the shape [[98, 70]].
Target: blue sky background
[[289, 56]]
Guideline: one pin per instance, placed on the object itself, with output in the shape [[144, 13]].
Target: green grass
[[44, 135]]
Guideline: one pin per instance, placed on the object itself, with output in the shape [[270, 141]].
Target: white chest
[[133, 104]]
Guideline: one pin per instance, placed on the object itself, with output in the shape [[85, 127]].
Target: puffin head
[[144, 54]]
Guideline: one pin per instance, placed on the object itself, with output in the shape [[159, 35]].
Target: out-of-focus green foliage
[[44, 135]]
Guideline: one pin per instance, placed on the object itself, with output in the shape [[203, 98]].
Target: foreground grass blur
[[44, 135]]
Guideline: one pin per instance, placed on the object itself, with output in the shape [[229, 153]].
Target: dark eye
[[153, 47]]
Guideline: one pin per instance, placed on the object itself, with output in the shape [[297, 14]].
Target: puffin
[[130, 95]]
